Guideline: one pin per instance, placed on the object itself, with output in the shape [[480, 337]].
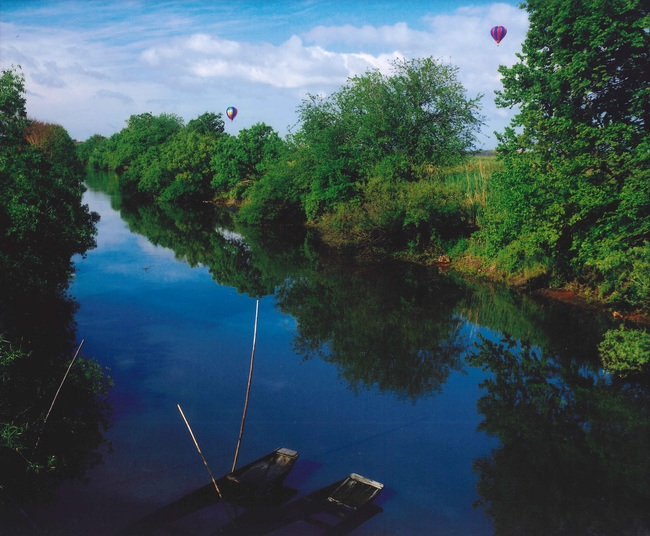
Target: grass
[[473, 178]]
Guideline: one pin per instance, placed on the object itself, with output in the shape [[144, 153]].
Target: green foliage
[[473, 178], [276, 197], [572, 200], [362, 166], [13, 115], [42, 225], [185, 161], [386, 125], [89, 150], [207, 124], [240, 161], [142, 132], [158, 157], [42, 221], [626, 352]]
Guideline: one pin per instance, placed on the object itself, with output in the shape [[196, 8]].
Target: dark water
[[363, 368]]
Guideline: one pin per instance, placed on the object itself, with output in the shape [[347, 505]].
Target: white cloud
[[92, 78]]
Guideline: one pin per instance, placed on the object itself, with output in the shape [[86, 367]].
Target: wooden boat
[[259, 488], [336, 510], [260, 483]]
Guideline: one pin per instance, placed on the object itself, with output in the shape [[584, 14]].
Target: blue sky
[[90, 65]]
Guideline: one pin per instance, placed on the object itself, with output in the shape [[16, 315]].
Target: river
[[391, 371]]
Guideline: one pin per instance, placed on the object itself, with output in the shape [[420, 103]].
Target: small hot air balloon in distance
[[231, 112], [498, 33]]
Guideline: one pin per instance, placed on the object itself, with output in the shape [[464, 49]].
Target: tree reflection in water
[[36, 455], [393, 329], [575, 446]]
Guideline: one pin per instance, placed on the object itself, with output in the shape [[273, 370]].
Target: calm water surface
[[360, 369]]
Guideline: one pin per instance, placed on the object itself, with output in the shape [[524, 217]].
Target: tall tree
[[142, 132], [416, 116], [573, 200], [42, 221], [13, 115], [239, 161]]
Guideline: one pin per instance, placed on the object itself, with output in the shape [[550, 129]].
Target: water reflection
[[574, 452], [392, 328], [575, 447], [40, 450]]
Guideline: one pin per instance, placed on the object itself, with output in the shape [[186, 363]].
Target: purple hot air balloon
[[498, 33], [231, 112]]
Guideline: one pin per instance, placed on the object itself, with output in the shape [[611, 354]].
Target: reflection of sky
[[126, 257], [171, 335]]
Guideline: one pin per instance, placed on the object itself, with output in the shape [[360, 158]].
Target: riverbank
[[572, 293]]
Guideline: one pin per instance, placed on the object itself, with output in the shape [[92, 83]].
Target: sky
[[89, 65]]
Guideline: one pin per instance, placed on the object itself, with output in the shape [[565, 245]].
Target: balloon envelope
[[231, 112], [498, 33]]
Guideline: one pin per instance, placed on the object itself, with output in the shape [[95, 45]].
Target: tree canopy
[[416, 116], [42, 221], [573, 200], [365, 162]]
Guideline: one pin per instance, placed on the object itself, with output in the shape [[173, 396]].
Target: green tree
[[239, 161], [42, 225], [277, 196], [626, 352], [143, 131], [395, 125], [13, 116], [42, 220], [186, 157], [208, 124], [573, 199], [89, 150]]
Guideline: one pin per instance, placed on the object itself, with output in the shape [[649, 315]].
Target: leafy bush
[[626, 351]]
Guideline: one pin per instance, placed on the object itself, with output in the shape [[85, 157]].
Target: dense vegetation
[[375, 165], [42, 225], [365, 165], [572, 202]]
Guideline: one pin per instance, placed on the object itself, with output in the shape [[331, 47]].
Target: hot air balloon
[[231, 112], [498, 33]]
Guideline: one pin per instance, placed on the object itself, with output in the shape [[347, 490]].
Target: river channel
[[392, 371]]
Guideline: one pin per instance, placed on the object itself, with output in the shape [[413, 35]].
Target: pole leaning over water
[[248, 389], [196, 444], [58, 390]]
